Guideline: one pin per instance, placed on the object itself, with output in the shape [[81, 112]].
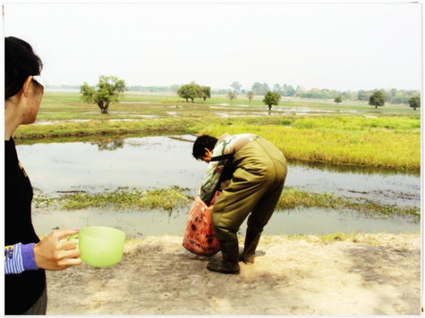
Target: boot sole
[[243, 260], [219, 270]]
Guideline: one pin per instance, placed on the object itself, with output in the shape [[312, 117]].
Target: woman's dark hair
[[20, 62], [201, 143]]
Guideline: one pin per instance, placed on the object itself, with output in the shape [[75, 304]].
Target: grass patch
[[102, 128], [130, 101], [292, 199], [175, 197], [391, 140], [166, 199], [41, 201], [374, 147], [337, 142]]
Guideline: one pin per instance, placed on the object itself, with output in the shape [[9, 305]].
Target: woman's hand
[[53, 254]]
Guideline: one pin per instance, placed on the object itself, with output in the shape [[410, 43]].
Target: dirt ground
[[290, 277]]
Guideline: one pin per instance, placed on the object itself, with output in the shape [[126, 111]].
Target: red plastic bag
[[199, 237]]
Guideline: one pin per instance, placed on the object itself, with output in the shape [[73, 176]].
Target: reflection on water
[[135, 162], [353, 169], [399, 189], [138, 224], [163, 161], [108, 144]]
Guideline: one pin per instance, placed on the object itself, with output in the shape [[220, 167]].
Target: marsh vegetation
[[334, 135], [112, 162]]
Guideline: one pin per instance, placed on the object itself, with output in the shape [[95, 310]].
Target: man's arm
[[210, 182]]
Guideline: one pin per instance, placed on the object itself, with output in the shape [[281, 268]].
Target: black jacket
[[21, 290]]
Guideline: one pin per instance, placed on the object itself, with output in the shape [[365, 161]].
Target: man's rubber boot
[[229, 264], [251, 243]]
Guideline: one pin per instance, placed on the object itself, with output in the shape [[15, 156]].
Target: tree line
[[109, 88], [393, 96], [377, 98]]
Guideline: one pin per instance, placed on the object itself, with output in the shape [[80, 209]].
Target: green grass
[[391, 140], [103, 127], [397, 147], [166, 199], [175, 197], [68, 106], [292, 198]]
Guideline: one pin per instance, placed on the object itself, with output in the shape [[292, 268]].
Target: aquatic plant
[[292, 198], [166, 199], [175, 197]]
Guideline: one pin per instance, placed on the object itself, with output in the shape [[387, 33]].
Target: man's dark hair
[[20, 62], [201, 143]]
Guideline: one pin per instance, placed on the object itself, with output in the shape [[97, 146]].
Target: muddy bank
[[372, 274]]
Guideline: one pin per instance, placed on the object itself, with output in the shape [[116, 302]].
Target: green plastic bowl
[[101, 246]]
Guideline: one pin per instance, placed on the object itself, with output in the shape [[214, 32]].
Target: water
[[140, 224], [61, 121], [157, 162], [149, 162], [163, 161], [382, 186], [276, 111]]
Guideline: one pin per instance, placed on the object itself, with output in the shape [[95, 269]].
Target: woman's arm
[[51, 253], [19, 258]]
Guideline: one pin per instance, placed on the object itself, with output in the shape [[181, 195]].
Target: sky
[[346, 46]]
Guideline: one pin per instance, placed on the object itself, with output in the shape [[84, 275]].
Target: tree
[[260, 89], [107, 91], [232, 95], [277, 89], [236, 87], [399, 98], [388, 96], [377, 99], [265, 88], [393, 92], [257, 87], [174, 87], [250, 95], [190, 91], [271, 98], [289, 90], [415, 102], [338, 99], [325, 93], [349, 95], [206, 92], [299, 91], [362, 95]]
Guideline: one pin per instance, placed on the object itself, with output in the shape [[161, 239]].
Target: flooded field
[[164, 161], [235, 111]]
